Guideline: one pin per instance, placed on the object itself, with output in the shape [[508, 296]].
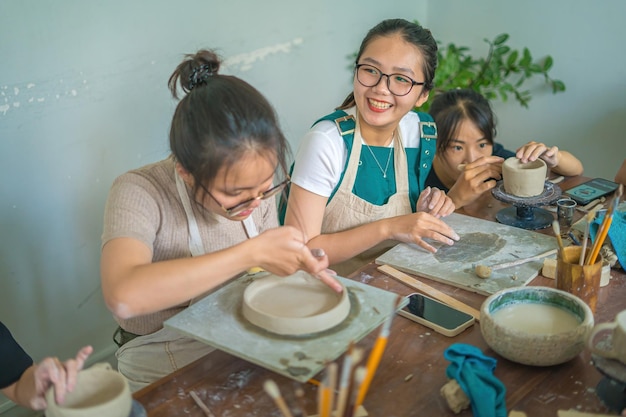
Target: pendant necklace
[[384, 172]]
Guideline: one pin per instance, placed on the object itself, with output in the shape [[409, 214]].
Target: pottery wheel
[[295, 305], [525, 212]]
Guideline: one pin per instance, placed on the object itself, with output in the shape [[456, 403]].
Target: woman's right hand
[[413, 228], [283, 251], [476, 178]]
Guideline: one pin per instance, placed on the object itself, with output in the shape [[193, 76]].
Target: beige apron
[[347, 210], [148, 358]]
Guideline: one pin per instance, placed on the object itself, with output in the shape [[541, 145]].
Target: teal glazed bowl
[[537, 326]]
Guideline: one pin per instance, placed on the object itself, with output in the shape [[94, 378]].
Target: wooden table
[[412, 370]]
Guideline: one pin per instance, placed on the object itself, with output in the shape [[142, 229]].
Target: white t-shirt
[[322, 154]]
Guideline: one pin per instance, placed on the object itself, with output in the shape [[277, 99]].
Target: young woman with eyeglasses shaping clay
[[468, 161], [178, 228], [360, 194]]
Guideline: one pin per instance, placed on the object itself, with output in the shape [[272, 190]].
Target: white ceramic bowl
[[100, 391], [520, 343], [296, 305]]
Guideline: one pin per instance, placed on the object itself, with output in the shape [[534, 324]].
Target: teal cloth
[[474, 373], [617, 232]]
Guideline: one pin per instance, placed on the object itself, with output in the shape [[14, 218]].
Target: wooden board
[[482, 242]]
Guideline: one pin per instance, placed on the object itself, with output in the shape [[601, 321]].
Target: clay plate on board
[[295, 305]]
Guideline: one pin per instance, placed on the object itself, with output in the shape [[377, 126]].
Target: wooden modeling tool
[[272, 390], [428, 290], [484, 271], [200, 404]]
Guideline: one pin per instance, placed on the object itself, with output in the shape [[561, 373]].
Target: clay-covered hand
[[435, 202], [62, 375], [474, 179], [413, 228], [283, 251], [534, 150]]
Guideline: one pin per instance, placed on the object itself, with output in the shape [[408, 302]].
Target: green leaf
[[526, 58], [502, 50], [510, 61], [500, 39], [547, 63], [557, 85]]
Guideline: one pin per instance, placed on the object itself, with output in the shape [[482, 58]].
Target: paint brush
[[323, 397], [557, 234], [589, 217], [604, 227], [272, 390], [350, 361], [300, 398], [359, 378], [376, 354], [328, 391], [200, 404]]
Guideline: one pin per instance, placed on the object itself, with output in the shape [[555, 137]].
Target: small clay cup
[[99, 392], [524, 180], [617, 348]]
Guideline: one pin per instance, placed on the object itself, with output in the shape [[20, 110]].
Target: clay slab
[[218, 321], [482, 242]]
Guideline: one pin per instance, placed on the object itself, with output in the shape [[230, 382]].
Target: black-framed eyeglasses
[[397, 84], [243, 206]]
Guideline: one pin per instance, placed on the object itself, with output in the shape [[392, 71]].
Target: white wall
[[83, 98], [586, 41]]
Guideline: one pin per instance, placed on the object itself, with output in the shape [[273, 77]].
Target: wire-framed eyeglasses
[[397, 84], [244, 205]]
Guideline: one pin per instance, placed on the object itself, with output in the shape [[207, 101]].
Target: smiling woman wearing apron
[[358, 178], [179, 228]]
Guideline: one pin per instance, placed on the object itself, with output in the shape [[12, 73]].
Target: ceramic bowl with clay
[[296, 305], [524, 180], [100, 391], [538, 326]]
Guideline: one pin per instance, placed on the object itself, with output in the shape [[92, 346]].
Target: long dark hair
[[412, 33], [220, 118], [449, 109]]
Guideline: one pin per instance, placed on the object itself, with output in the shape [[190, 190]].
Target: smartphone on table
[[436, 315], [588, 191]]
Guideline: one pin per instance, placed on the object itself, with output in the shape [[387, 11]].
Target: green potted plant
[[499, 75]]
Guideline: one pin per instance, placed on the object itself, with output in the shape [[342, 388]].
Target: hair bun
[[199, 75], [196, 69]]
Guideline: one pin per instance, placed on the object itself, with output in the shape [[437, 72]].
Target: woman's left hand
[[62, 375], [436, 202], [534, 150]]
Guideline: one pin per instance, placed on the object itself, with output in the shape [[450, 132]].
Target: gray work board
[[218, 321], [482, 242]]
